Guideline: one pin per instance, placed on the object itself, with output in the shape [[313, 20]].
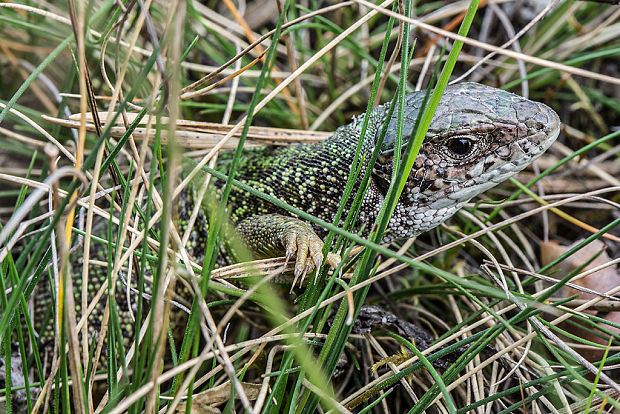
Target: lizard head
[[479, 137]]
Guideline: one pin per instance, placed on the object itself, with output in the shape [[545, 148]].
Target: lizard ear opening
[[383, 184], [382, 172]]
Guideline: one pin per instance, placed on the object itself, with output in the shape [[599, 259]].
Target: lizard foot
[[300, 240], [272, 235]]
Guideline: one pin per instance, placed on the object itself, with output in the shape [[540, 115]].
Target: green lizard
[[479, 137]]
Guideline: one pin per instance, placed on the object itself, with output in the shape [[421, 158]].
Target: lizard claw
[[301, 241]]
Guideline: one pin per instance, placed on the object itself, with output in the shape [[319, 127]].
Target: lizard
[[478, 137]]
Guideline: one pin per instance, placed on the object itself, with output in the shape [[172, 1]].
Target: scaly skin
[[479, 137]]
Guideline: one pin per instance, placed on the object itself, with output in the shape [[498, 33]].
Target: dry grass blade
[[197, 134]]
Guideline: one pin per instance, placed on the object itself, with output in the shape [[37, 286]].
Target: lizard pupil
[[460, 146]]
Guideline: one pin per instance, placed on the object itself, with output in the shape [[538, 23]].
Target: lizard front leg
[[272, 235]]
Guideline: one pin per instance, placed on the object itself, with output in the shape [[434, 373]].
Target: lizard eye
[[460, 147]]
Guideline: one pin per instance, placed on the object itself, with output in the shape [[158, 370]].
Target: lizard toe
[[333, 259], [290, 245], [302, 248], [315, 246]]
